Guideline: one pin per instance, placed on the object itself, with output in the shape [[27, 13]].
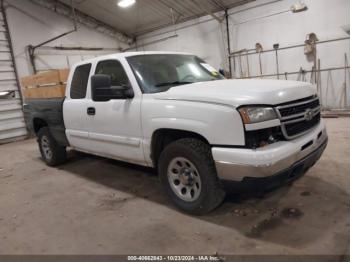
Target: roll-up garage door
[[12, 125]]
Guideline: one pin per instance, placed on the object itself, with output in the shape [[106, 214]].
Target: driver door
[[115, 126]]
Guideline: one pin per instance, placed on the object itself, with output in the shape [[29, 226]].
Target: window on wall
[[79, 81], [114, 69]]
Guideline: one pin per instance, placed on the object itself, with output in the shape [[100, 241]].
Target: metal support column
[[228, 42]]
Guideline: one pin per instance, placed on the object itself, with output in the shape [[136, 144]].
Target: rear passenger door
[[76, 119]]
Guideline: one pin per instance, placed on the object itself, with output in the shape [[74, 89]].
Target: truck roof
[[128, 54]]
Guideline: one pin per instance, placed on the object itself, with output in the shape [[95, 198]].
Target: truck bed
[[38, 112]]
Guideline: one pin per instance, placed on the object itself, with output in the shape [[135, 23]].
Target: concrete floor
[[93, 205]]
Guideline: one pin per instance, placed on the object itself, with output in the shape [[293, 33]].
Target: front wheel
[[52, 153], [188, 174]]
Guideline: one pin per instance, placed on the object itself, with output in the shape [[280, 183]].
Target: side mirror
[[102, 89]]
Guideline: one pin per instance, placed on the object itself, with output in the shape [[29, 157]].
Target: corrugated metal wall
[[12, 125]]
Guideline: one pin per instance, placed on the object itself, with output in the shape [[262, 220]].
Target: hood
[[240, 92]]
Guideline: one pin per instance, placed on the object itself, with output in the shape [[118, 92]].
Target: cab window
[[79, 81], [114, 69]]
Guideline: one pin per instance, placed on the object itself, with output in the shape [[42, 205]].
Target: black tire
[[58, 154], [199, 153]]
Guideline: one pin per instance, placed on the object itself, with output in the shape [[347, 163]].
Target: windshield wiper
[[173, 83]]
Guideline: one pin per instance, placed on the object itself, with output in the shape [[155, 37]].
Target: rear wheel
[[188, 174], [52, 153]]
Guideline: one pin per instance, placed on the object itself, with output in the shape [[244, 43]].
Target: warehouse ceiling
[[149, 15]]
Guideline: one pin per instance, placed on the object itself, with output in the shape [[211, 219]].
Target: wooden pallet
[[50, 84]]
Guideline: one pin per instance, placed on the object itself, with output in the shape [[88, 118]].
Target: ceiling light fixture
[[126, 3], [298, 7]]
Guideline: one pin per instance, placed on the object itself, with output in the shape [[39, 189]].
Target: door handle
[[91, 111]]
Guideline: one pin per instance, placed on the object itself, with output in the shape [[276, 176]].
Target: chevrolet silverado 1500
[[176, 113]]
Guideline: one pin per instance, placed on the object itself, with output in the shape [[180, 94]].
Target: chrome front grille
[[298, 117]]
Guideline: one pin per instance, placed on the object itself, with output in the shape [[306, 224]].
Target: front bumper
[[238, 164]]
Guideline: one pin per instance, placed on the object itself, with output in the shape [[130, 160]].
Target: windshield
[[158, 73]]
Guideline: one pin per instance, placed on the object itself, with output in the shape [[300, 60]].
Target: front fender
[[219, 124]]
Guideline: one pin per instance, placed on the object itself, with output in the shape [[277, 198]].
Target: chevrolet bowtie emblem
[[309, 114]]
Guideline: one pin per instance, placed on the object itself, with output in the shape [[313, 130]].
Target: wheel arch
[[39, 123], [164, 136]]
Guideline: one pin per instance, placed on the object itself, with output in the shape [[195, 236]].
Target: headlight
[[256, 114]]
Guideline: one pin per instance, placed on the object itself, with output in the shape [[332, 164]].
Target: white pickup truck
[[174, 112]]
